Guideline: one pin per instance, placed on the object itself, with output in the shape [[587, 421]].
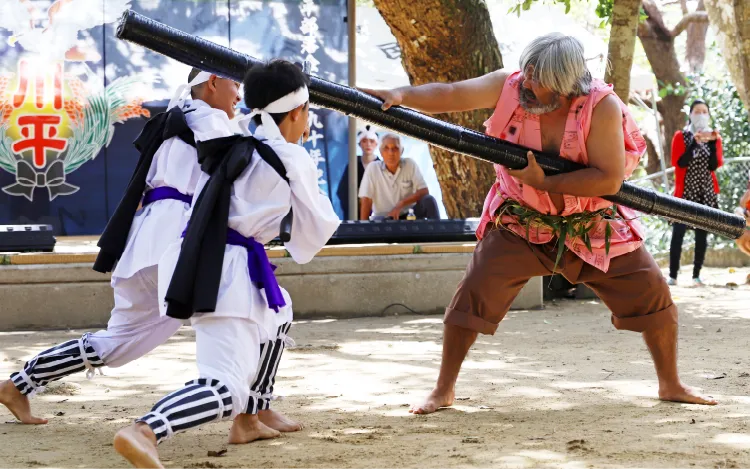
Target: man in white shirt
[[392, 186]]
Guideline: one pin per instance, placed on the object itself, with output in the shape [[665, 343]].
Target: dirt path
[[558, 387]]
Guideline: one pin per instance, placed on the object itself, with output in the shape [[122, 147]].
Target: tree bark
[[695, 54], [652, 164], [658, 43], [732, 21], [688, 20], [448, 41], [621, 48]]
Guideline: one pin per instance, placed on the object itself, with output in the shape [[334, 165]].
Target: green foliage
[[525, 5], [603, 8], [574, 226], [730, 118], [669, 89], [728, 115]]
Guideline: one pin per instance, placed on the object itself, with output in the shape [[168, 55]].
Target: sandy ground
[[558, 387]]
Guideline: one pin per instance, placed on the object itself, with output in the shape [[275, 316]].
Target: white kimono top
[[175, 164], [260, 200]]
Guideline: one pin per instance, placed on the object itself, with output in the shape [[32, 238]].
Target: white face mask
[[699, 121]]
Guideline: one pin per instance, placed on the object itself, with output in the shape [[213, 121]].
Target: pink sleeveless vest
[[512, 123]]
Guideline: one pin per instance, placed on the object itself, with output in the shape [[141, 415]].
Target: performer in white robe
[[247, 307], [167, 173]]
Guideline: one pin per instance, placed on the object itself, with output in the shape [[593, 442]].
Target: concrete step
[[60, 295]]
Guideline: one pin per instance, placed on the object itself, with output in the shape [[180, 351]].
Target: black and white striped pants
[[201, 401], [227, 356], [261, 390], [135, 328], [55, 363]]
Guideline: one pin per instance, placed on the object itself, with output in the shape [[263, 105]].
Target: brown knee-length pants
[[633, 288]]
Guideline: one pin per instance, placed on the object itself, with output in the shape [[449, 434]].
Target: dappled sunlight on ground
[[554, 388], [734, 440]]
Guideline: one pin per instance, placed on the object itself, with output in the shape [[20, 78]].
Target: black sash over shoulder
[[195, 282], [157, 130]]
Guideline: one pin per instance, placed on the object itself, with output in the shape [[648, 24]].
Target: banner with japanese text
[[73, 97]]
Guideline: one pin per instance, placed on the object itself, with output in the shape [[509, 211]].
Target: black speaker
[[405, 231], [26, 238], [401, 231]]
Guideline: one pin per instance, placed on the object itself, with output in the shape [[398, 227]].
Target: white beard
[[531, 105], [538, 110]]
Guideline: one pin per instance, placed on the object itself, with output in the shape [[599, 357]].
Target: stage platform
[[59, 290]]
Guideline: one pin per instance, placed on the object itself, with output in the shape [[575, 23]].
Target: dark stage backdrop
[[72, 104]]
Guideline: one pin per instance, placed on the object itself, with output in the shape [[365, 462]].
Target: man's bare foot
[[247, 428], [278, 421], [137, 444], [18, 404], [682, 393], [434, 401]]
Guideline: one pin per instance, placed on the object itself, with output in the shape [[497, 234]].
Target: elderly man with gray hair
[[393, 185], [533, 225]]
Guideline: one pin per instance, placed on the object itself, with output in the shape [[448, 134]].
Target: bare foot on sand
[[434, 401], [247, 428], [137, 444], [682, 393], [278, 421], [18, 404]]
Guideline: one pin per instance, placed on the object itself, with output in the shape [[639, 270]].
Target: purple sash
[[261, 270], [163, 193]]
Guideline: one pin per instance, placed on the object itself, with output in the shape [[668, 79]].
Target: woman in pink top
[[553, 105]]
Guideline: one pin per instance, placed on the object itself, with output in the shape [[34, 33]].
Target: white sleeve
[[314, 218], [366, 187], [419, 182]]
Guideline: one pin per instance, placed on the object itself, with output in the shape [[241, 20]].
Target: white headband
[[284, 104], [367, 134], [184, 90]]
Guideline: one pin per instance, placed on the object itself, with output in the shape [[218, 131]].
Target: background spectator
[[368, 142], [393, 185], [696, 154]]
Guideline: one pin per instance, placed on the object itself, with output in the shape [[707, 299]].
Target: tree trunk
[[695, 54], [732, 21], [447, 41], [658, 43], [622, 36], [652, 165]]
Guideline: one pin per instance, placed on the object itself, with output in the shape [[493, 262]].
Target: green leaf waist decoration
[[577, 225]]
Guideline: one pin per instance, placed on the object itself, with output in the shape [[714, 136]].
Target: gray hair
[[559, 64], [392, 136]]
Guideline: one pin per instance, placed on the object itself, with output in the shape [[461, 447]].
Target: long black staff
[[213, 58]]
